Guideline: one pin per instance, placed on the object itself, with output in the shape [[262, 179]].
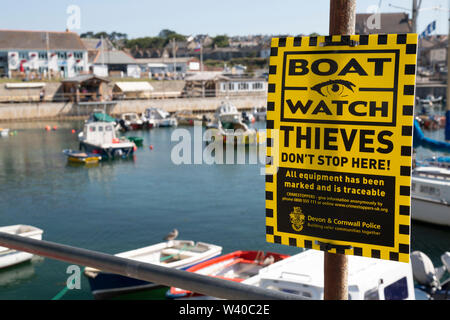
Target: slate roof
[[37, 40], [114, 57]]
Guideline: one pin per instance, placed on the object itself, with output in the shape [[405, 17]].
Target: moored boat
[[81, 157], [132, 120], [260, 113], [4, 132], [230, 127], [10, 257], [178, 254], [155, 117], [100, 138], [368, 279], [188, 118], [235, 266], [430, 195]]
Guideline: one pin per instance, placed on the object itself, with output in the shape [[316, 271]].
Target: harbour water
[[126, 204]]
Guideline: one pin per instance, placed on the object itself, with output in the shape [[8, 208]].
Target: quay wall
[[68, 110]]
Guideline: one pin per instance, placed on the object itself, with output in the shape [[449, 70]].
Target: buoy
[[134, 148], [73, 131], [151, 147], [55, 128], [47, 128]]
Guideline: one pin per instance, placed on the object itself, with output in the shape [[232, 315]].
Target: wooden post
[[342, 22]]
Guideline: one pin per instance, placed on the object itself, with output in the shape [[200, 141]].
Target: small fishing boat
[[260, 113], [237, 133], [235, 266], [247, 117], [155, 117], [10, 257], [430, 195], [228, 113], [431, 281], [368, 279], [132, 120], [228, 126], [187, 117], [100, 138], [178, 254], [81, 157], [4, 132]]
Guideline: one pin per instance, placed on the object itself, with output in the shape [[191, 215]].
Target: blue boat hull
[[108, 285]]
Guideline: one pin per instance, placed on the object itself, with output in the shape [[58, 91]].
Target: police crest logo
[[297, 219], [339, 136]]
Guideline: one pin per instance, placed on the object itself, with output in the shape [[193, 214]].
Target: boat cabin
[[157, 114], [99, 133], [368, 279]]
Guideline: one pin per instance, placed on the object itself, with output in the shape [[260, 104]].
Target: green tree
[[221, 41]]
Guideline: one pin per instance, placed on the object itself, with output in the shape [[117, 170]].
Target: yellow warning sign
[[339, 128]]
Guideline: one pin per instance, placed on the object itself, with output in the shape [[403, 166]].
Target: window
[[108, 128], [92, 129], [23, 55], [42, 55], [100, 128], [243, 86], [430, 190], [231, 86], [257, 86], [371, 295], [223, 86], [62, 55], [397, 290], [78, 55]]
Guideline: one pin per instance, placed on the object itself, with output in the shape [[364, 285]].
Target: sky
[[140, 18]]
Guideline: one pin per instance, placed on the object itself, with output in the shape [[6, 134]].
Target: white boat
[[430, 195], [178, 254], [4, 132], [9, 257], [155, 117], [132, 120], [100, 138], [368, 279], [260, 113], [228, 113], [231, 127]]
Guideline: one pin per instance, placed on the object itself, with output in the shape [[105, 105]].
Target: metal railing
[[206, 285]]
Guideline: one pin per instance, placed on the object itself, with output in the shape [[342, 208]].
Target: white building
[[41, 53]]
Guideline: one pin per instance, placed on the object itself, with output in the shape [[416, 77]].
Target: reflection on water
[[116, 206], [19, 274]]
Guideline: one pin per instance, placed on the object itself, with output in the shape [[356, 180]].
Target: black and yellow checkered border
[[407, 43]]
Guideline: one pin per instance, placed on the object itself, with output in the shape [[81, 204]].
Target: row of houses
[[49, 54], [55, 55]]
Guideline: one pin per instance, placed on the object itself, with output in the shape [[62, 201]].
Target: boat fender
[[151, 147]]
